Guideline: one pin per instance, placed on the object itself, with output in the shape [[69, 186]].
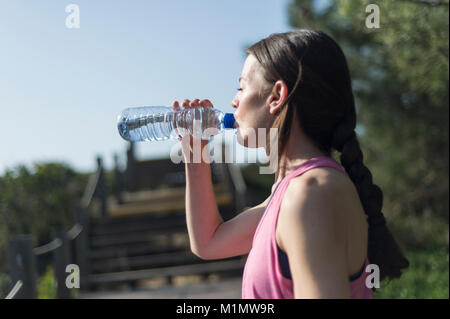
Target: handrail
[[15, 290], [77, 228], [90, 188], [51, 246], [74, 231]]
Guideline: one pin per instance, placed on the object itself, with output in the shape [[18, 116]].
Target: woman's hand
[[187, 148]]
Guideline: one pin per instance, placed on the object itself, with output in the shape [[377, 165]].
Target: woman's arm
[[210, 237], [311, 234]]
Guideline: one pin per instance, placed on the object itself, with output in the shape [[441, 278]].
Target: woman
[[322, 225]]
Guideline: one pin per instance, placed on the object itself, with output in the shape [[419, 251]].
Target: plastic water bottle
[[159, 123]]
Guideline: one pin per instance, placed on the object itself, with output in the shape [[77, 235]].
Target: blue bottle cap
[[228, 120]]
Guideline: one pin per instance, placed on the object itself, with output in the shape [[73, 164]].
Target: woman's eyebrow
[[241, 78]]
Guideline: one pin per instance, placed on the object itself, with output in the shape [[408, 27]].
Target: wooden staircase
[[129, 249], [144, 233]]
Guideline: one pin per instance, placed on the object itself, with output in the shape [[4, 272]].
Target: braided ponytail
[[382, 247]]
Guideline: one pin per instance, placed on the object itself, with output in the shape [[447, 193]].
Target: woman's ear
[[277, 97]]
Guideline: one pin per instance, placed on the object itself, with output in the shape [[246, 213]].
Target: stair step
[[114, 222], [163, 194], [133, 225], [159, 201], [194, 269], [145, 262], [135, 250], [154, 237]]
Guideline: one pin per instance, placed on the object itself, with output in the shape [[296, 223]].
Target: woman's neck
[[299, 149]]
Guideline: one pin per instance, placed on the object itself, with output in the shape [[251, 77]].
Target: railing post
[[118, 180], [22, 265], [82, 248], [61, 260], [101, 191], [131, 169]]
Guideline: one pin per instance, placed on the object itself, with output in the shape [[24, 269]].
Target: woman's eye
[[239, 89]]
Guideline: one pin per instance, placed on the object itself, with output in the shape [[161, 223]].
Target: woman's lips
[[236, 124]]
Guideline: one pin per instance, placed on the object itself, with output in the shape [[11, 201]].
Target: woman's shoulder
[[321, 179], [322, 192], [314, 200]]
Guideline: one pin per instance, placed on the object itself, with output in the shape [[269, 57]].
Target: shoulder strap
[[314, 162]]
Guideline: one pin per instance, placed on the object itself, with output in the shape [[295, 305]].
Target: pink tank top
[[263, 277]]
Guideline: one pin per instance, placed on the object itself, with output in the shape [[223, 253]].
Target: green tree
[[34, 201], [400, 79]]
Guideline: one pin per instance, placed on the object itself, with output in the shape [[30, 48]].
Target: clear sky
[[61, 89]]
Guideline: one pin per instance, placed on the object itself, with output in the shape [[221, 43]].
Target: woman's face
[[251, 104]]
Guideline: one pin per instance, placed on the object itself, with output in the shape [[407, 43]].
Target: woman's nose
[[234, 103]]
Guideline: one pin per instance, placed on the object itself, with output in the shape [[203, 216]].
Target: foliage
[[427, 252], [35, 201], [5, 285], [427, 276], [46, 285], [400, 79]]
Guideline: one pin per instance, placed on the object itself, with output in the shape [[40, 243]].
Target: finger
[[194, 103], [206, 102], [185, 103]]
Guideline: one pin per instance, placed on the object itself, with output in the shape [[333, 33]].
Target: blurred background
[[63, 163]]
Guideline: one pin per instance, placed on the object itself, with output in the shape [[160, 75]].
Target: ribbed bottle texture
[[159, 123]]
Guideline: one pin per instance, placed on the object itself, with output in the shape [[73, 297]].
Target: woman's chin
[[244, 140]]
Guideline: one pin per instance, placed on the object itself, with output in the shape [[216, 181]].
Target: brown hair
[[314, 68]]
